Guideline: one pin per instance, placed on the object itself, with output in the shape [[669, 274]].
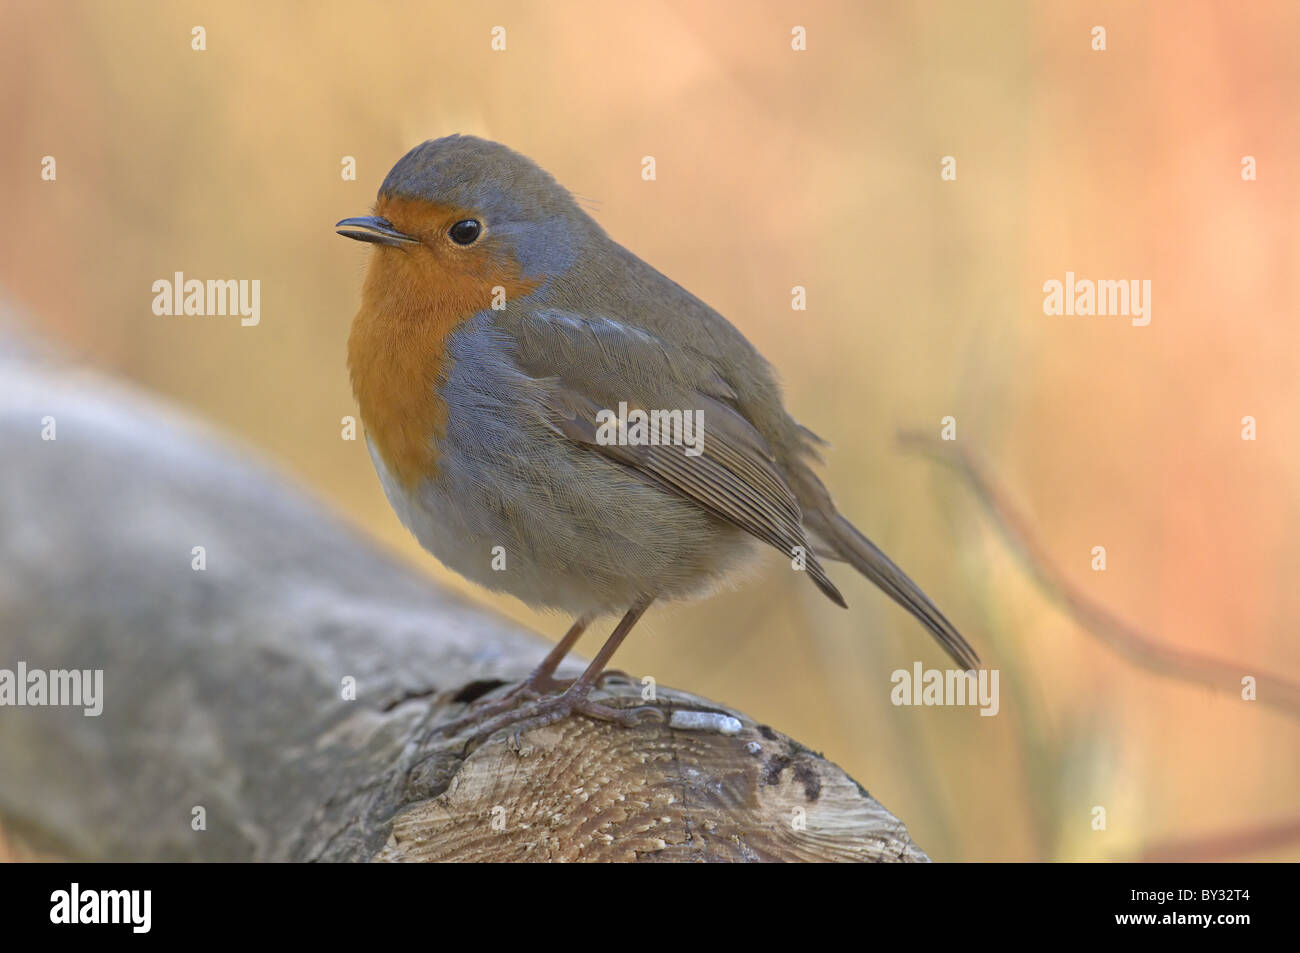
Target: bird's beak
[[372, 228]]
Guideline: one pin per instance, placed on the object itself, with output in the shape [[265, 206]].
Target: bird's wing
[[594, 364]]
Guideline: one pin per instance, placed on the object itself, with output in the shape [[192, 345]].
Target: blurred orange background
[[778, 168]]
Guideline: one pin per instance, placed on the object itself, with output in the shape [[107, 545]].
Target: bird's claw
[[538, 712], [531, 689]]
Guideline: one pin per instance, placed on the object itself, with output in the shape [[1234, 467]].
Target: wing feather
[[735, 477]]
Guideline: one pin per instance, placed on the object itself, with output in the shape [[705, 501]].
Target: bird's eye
[[464, 233]]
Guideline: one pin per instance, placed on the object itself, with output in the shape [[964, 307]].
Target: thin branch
[[1125, 638], [1249, 840]]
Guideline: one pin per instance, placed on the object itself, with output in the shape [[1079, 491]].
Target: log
[[228, 731]]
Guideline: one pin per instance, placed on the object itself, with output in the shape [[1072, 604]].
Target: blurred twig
[[1126, 639], [1222, 846]]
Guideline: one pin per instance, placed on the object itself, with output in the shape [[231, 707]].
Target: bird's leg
[[542, 679], [540, 682], [574, 699]]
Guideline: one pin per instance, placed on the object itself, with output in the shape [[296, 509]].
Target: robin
[[506, 357]]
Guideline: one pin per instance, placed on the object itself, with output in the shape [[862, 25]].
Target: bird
[[501, 353]]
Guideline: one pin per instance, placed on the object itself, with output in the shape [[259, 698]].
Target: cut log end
[[584, 790]]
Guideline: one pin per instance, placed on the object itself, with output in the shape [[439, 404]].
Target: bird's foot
[[531, 689], [527, 714]]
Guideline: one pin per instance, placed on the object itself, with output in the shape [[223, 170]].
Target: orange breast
[[412, 301]]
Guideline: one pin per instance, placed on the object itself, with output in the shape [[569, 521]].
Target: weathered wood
[[223, 687]]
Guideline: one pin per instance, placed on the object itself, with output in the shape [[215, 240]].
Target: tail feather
[[842, 540]]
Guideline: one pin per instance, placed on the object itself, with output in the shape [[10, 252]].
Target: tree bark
[[225, 687]]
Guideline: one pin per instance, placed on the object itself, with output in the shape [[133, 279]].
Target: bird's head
[[459, 218]]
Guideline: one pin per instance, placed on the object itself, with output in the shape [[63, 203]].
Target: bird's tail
[[837, 538]]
